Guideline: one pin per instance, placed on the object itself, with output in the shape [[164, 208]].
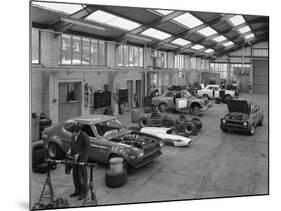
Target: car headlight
[[245, 124], [44, 135], [161, 144], [140, 152], [223, 121]]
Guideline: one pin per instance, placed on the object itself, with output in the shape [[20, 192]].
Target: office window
[[101, 53], [76, 50], [85, 51], [179, 61], [66, 49], [35, 46], [94, 52], [136, 56], [141, 57], [126, 56], [120, 55], [131, 56]]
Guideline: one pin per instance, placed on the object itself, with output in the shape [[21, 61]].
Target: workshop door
[[69, 100], [138, 93], [130, 88]]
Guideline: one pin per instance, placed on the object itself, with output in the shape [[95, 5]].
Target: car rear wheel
[[144, 122], [189, 128], [252, 130], [54, 152], [163, 107]]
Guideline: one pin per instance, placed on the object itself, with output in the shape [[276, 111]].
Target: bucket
[[116, 164]]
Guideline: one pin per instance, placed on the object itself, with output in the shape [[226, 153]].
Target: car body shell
[[241, 113], [101, 148], [212, 91], [167, 137], [169, 98]]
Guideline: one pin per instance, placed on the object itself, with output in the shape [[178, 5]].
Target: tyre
[[252, 130], [223, 129], [195, 109], [197, 122], [54, 152], [189, 128], [260, 123], [125, 165], [114, 180], [163, 107], [144, 122]]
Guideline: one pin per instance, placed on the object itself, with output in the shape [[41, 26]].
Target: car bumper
[[147, 158], [234, 127]]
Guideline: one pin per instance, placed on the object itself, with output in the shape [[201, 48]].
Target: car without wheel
[[168, 100], [108, 138], [242, 117], [212, 91]]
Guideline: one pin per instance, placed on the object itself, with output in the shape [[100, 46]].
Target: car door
[[170, 99]]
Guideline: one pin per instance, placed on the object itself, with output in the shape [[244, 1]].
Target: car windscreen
[[107, 128]]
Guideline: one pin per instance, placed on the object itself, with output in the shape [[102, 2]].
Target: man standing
[[79, 150]]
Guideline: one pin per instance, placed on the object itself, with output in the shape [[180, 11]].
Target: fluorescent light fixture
[[157, 34], [197, 47], [220, 38], [207, 31], [181, 42], [244, 29], [169, 45], [112, 20], [248, 36], [237, 20], [228, 43], [164, 12], [139, 37], [81, 23], [60, 7], [209, 50], [188, 20]]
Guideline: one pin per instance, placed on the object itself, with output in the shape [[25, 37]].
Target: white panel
[[193, 62], [261, 45], [260, 52], [247, 52]]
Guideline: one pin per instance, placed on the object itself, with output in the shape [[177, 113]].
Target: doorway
[[130, 88], [138, 93], [69, 100]]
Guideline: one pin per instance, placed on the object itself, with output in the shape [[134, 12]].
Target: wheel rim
[[143, 123], [196, 110], [52, 150]]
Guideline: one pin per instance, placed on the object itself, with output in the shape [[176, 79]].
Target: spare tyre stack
[[116, 176]]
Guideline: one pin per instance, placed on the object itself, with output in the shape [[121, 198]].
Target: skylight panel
[[181, 42], [244, 29], [209, 50], [228, 43], [248, 36], [197, 47], [220, 38], [188, 20], [237, 20], [113, 20], [207, 31], [156, 34], [164, 12], [66, 8]]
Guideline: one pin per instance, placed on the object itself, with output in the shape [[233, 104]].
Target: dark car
[[108, 138], [242, 117]]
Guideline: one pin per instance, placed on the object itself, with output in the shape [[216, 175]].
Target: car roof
[[92, 119]]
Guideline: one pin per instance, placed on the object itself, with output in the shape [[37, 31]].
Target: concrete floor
[[217, 164]]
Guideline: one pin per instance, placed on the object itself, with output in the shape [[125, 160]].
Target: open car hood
[[239, 106]]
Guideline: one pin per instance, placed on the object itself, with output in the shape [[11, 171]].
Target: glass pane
[[35, 46], [66, 49], [120, 55], [76, 50], [131, 56], [85, 51], [101, 53], [141, 57], [72, 92], [126, 53], [94, 52], [136, 56]]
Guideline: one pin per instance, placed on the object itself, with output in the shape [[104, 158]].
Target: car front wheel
[[252, 130]]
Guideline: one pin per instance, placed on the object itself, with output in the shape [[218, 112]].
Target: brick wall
[[36, 91]]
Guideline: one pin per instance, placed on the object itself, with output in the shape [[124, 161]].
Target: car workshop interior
[[174, 104]]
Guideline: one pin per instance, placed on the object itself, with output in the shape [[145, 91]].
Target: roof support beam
[[187, 32], [124, 37], [62, 26]]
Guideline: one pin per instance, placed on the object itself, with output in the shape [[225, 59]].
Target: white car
[[213, 91], [167, 137]]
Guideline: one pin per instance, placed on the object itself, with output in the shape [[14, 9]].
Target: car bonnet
[[239, 106]]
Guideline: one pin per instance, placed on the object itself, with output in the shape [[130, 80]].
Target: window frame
[[39, 46]]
